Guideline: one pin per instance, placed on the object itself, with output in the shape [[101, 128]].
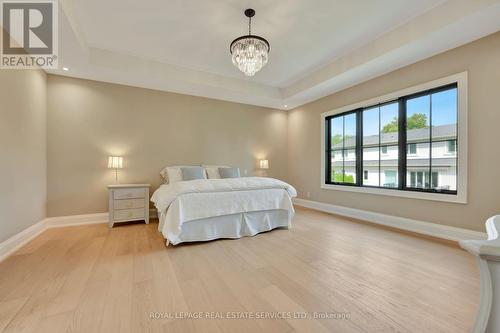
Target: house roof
[[414, 162], [414, 135]]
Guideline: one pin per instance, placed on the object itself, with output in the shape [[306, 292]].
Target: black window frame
[[329, 150], [402, 145]]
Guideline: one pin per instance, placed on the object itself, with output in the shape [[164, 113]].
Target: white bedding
[[231, 226], [193, 200]]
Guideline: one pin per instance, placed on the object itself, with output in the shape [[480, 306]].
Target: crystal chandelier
[[249, 52]]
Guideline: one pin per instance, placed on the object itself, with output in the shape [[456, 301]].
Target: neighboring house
[[439, 172]]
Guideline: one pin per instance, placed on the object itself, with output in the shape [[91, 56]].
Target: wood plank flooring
[[92, 279]]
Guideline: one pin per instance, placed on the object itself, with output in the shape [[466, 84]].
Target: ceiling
[[317, 46]]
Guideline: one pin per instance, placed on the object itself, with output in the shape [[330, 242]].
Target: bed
[[208, 209]]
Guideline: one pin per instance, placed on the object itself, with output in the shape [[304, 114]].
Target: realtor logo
[[29, 34]]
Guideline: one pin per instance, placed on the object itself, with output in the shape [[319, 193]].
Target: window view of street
[[431, 143]]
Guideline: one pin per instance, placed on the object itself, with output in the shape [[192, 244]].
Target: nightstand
[[128, 202]]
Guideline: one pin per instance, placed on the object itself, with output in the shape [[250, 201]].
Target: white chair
[[488, 256]]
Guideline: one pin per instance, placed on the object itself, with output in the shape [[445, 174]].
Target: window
[[380, 127], [452, 146], [412, 148], [408, 143], [413, 179], [421, 179], [342, 149], [435, 178], [431, 123], [390, 178]]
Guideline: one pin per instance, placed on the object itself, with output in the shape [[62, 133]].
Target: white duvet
[[186, 201]]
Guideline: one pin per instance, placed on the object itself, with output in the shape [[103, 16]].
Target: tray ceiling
[[317, 47]]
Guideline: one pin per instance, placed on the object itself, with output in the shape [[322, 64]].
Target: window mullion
[[359, 144], [379, 140], [430, 141], [343, 149], [328, 143], [402, 143]]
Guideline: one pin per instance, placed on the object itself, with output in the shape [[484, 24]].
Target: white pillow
[[172, 174], [213, 171], [163, 174]]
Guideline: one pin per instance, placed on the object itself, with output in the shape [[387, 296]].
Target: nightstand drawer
[[128, 214], [129, 193], [128, 203]]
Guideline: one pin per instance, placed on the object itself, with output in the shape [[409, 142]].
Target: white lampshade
[[264, 164], [115, 162]]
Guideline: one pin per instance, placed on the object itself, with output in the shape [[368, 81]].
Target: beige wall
[[89, 120], [482, 61], [22, 150]]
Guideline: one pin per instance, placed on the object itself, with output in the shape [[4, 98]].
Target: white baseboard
[[10, 245], [74, 220], [421, 227]]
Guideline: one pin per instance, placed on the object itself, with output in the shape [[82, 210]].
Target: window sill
[[458, 198]]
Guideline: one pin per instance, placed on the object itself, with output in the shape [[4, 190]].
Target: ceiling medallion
[[249, 52]]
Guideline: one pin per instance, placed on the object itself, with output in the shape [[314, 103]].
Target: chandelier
[[249, 52]]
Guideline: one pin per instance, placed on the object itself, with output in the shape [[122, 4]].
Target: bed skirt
[[232, 226]]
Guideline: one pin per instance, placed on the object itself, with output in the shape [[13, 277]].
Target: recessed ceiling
[[196, 34], [317, 47]]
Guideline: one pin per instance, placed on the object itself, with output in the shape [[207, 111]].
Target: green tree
[[417, 120], [336, 139], [391, 127], [337, 178]]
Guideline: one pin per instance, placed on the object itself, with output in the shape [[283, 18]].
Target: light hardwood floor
[[91, 279]]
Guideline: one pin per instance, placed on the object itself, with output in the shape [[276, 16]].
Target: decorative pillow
[[193, 173], [229, 172], [172, 174], [213, 171], [164, 175]]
